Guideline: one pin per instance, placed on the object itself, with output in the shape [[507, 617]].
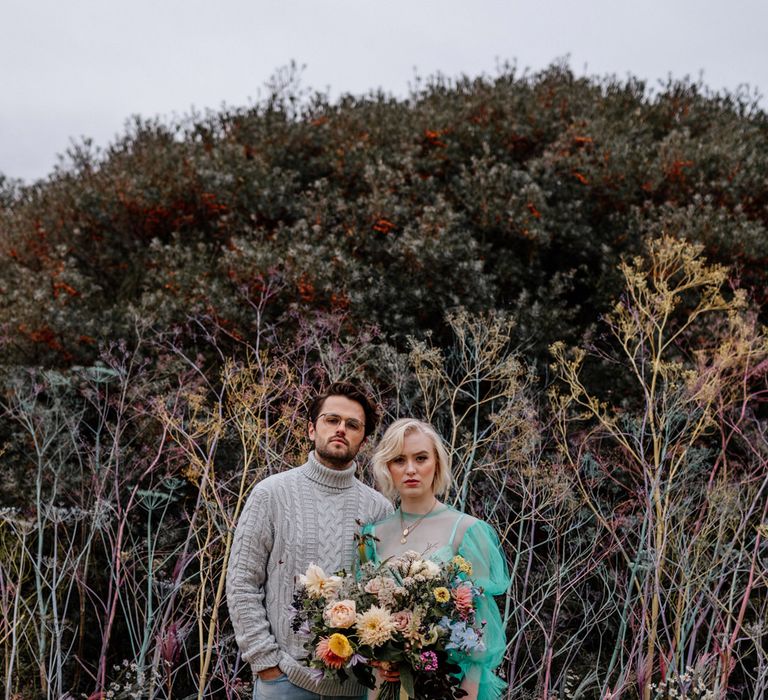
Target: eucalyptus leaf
[[406, 680]]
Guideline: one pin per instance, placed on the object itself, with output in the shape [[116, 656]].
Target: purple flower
[[428, 661], [316, 674], [357, 659]]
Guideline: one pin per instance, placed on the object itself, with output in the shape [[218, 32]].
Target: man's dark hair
[[353, 393]]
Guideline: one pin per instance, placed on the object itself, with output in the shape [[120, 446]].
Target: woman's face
[[413, 470]]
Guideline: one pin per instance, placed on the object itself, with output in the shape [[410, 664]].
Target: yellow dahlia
[[340, 645], [324, 653]]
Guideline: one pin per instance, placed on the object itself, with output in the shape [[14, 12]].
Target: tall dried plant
[[248, 406], [689, 501]]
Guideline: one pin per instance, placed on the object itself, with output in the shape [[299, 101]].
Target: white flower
[[375, 626], [416, 567], [431, 570], [386, 592], [403, 562], [374, 585], [319, 584]]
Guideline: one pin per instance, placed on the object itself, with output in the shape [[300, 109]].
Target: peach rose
[[402, 619], [341, 614]]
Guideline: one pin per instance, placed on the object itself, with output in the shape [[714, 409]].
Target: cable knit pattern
[[291, 520]]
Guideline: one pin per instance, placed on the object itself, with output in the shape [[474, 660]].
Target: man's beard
[[338, 460]]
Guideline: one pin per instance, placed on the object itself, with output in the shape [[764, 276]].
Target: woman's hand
[[388, 671]]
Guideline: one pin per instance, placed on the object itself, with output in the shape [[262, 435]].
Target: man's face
[[337, 442]]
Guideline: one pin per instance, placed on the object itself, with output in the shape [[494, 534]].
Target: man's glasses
[[333, 420]]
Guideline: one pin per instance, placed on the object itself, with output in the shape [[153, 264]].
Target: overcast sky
[[75, 68]]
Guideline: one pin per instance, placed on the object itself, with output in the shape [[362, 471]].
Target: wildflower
[[375, 626], [429, 637], [374, 585], [318, 584], [462, 565], [430, 570], [419, 566], [427, 661], [403, 562], [316, 674], [384, 590], [441, 593], [463, 637]]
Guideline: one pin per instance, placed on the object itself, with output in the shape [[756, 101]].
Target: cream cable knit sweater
[[293, 519]]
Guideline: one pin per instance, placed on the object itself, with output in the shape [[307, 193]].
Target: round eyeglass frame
[[351, 424]]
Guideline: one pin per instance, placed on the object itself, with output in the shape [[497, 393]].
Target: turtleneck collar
[[337, 479]]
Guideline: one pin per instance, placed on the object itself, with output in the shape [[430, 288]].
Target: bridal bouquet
[[407, 610]]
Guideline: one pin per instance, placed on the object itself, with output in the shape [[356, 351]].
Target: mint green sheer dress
[[440, 536]]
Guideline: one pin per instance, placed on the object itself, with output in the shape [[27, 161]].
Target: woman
[[412, 463]]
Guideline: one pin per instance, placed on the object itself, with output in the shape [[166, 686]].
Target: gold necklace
[[408, 530]]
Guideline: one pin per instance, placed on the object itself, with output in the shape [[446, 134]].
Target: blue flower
[[464, 638]]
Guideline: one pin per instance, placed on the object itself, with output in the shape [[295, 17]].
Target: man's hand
[[269, 674]]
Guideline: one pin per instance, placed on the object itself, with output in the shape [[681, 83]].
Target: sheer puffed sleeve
[[481, 548]]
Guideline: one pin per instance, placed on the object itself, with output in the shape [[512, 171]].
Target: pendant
[[403, 540]]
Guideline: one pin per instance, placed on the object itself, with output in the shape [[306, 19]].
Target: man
[[293, 519]]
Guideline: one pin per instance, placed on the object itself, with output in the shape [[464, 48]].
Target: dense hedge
[[519, 193]]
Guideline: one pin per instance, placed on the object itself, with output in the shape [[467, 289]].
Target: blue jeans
[[282, 689]]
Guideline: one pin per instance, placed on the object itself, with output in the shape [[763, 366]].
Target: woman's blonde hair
[[391, 445]]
